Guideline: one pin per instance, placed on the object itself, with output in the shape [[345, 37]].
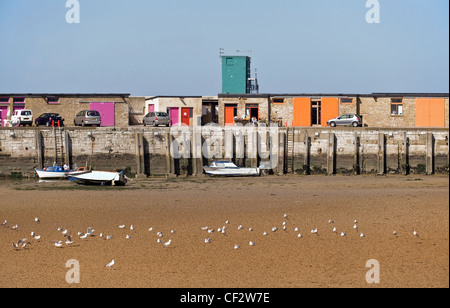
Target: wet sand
[[278, 260]]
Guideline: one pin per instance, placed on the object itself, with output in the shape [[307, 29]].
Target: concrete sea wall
[[173, 151]]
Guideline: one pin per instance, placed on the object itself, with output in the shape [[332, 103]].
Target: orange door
[[302, 111], [330, 109], [430, 112], [229, 115], [185, 116]]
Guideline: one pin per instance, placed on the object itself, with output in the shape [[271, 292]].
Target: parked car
[[22, 117], [87, 117], [346, 119], [48, 119], [156, 118]]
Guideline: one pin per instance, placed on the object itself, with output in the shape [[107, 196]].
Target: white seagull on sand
[[110, 264], [166, 244], [37, 220], [58, 244], [415, 233], [252, 243], [207, 240]]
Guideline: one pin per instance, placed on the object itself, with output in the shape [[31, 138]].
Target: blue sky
[[171, 47]]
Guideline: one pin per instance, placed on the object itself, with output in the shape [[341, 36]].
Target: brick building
[[114, 108]]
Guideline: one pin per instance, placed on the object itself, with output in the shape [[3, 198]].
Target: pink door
[[107, 112], [151, 108], [3, 112], [173, 113]]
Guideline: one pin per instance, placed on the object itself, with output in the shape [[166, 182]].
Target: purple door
[[107, 112], [173, 113], [3, 112]]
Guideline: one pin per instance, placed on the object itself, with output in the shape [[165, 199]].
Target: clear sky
[[171, 47]]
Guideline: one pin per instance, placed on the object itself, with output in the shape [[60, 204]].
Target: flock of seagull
[[69, 238]]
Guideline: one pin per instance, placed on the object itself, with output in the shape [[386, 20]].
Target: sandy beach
[[281, 259]]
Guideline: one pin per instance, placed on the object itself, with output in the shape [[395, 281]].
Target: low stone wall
[[146, 151]]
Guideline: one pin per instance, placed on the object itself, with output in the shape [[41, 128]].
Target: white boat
[[57, 172], [99, 178], [227, 168]]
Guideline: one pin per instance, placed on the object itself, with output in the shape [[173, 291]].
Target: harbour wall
[[175, 151]]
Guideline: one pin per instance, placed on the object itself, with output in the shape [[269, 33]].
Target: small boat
[[227, 168], [57, 172], [99, 178]]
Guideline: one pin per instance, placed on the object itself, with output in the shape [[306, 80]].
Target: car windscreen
[[26, 113], [162, 114]]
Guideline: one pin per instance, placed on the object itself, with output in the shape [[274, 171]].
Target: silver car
[[346, 119], [88, 117], [155, 118]]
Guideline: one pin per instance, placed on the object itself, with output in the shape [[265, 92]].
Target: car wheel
[[154, 124], [355, 124], [82, 123], [143, 122], [332, 124]]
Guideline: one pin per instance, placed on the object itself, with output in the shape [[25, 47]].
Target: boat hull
[[99, 178], [232, 171]]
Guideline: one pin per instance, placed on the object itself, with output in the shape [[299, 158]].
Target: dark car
[[49, 119]]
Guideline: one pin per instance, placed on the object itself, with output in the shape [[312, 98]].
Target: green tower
[[236, 74]]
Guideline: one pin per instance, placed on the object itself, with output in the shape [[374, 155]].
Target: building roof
[[267, 95]]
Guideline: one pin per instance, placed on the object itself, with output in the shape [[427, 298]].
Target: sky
[[171, 47]]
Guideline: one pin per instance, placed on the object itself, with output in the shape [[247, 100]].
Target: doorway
[[230, 113], [316, 112]]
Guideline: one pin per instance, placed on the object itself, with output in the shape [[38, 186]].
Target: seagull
[[299, 235], [58, 244], [121, 227], [331, 221], [150, 229], [36, 237], [314, 231], [296, 229], [237, 246], [284, 228], [355, 221], [166, 244], [227, 222], [131, 228], [15, 227], [252, 243], [108, 237], [207, 240], [240, 227], [90, 231], [110, 264], [355, 227], [159, 240], [84, 236], [395, 233], [284, 223], [274, 229], [362, 235], [415, 233], [250, 229], [37, 220], [23, 241], [343, 234], [101, 235], [172, 231], [127, 237], [285, 215], [159, 234], [264, 233], [211, 231], [204, 228], [64, 232], [4, 223], [68, 239], [334, 230]]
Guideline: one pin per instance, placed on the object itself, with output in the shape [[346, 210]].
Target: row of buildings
[[292, 110]]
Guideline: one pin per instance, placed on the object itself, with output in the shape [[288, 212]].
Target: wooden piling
[[331, 154], [381, 155]]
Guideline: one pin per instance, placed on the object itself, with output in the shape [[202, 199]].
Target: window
[[346, 100], [278, 100], [4, 100], [229, 61], [396, 106], [52, 100]]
